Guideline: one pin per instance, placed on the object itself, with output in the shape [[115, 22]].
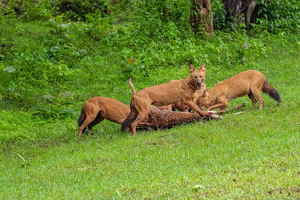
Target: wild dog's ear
[[192, 68], [206, 92], [203, 67]]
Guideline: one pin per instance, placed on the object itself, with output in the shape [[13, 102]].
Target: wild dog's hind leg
[[143, 112], [137, 121], [90, 117], [256, 93], [250, 95], [97, 120]]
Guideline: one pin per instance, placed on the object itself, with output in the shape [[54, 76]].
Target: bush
[[278, 16], [271, 16], [70, 9], [27, 9]]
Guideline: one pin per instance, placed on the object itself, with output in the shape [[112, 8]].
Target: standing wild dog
[[164, 94], [249, 83], [181, 106]]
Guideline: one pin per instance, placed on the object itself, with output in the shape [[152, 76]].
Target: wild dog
[[197, 94], [181, 106], [249, 83], [96, 109], [164, 94]]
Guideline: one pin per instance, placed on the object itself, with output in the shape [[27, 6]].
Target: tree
[[201, 15], [239, 11]]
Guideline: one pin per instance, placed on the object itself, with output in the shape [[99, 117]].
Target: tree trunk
[[239, 11], [201, 15]]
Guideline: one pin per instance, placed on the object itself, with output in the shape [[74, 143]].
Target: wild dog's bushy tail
[[131, 117], [272, 92], [81, 119]]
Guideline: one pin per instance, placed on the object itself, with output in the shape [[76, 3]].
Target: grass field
[[252, 155]]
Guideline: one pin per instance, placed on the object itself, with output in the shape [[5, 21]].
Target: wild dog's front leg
[[250, 95], [193, 106]]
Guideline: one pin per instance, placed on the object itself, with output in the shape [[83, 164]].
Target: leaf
[[196, 187], [131, 60], [246, 45], [51, 100], [10, 69]]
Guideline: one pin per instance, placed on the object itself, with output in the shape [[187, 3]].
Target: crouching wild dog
[[164, 94], [249, 83], [99, 108]]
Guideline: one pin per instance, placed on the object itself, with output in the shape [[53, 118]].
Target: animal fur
[[249, 83], [96, 109]]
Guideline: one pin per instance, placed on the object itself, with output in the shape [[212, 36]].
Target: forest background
[[54, 55]]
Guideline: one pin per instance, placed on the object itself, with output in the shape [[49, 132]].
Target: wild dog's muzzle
[[199, 85]]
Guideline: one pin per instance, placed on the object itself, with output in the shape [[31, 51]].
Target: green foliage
[[219, 18], [278, 16], [58, 53], [272, 16], [80, 9], [57, 107], [26, 9], [69, 9]]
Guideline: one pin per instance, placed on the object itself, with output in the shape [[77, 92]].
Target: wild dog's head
[[181, 106], [197, 77], [203, 101]]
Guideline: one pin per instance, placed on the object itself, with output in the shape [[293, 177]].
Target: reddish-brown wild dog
[[96, 109], [164, 94], [249, 83], [181, 106]]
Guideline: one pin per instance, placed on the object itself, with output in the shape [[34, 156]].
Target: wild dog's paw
[[243, 104]]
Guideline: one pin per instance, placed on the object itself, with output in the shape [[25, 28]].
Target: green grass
[[254, 155], [251, 155]]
